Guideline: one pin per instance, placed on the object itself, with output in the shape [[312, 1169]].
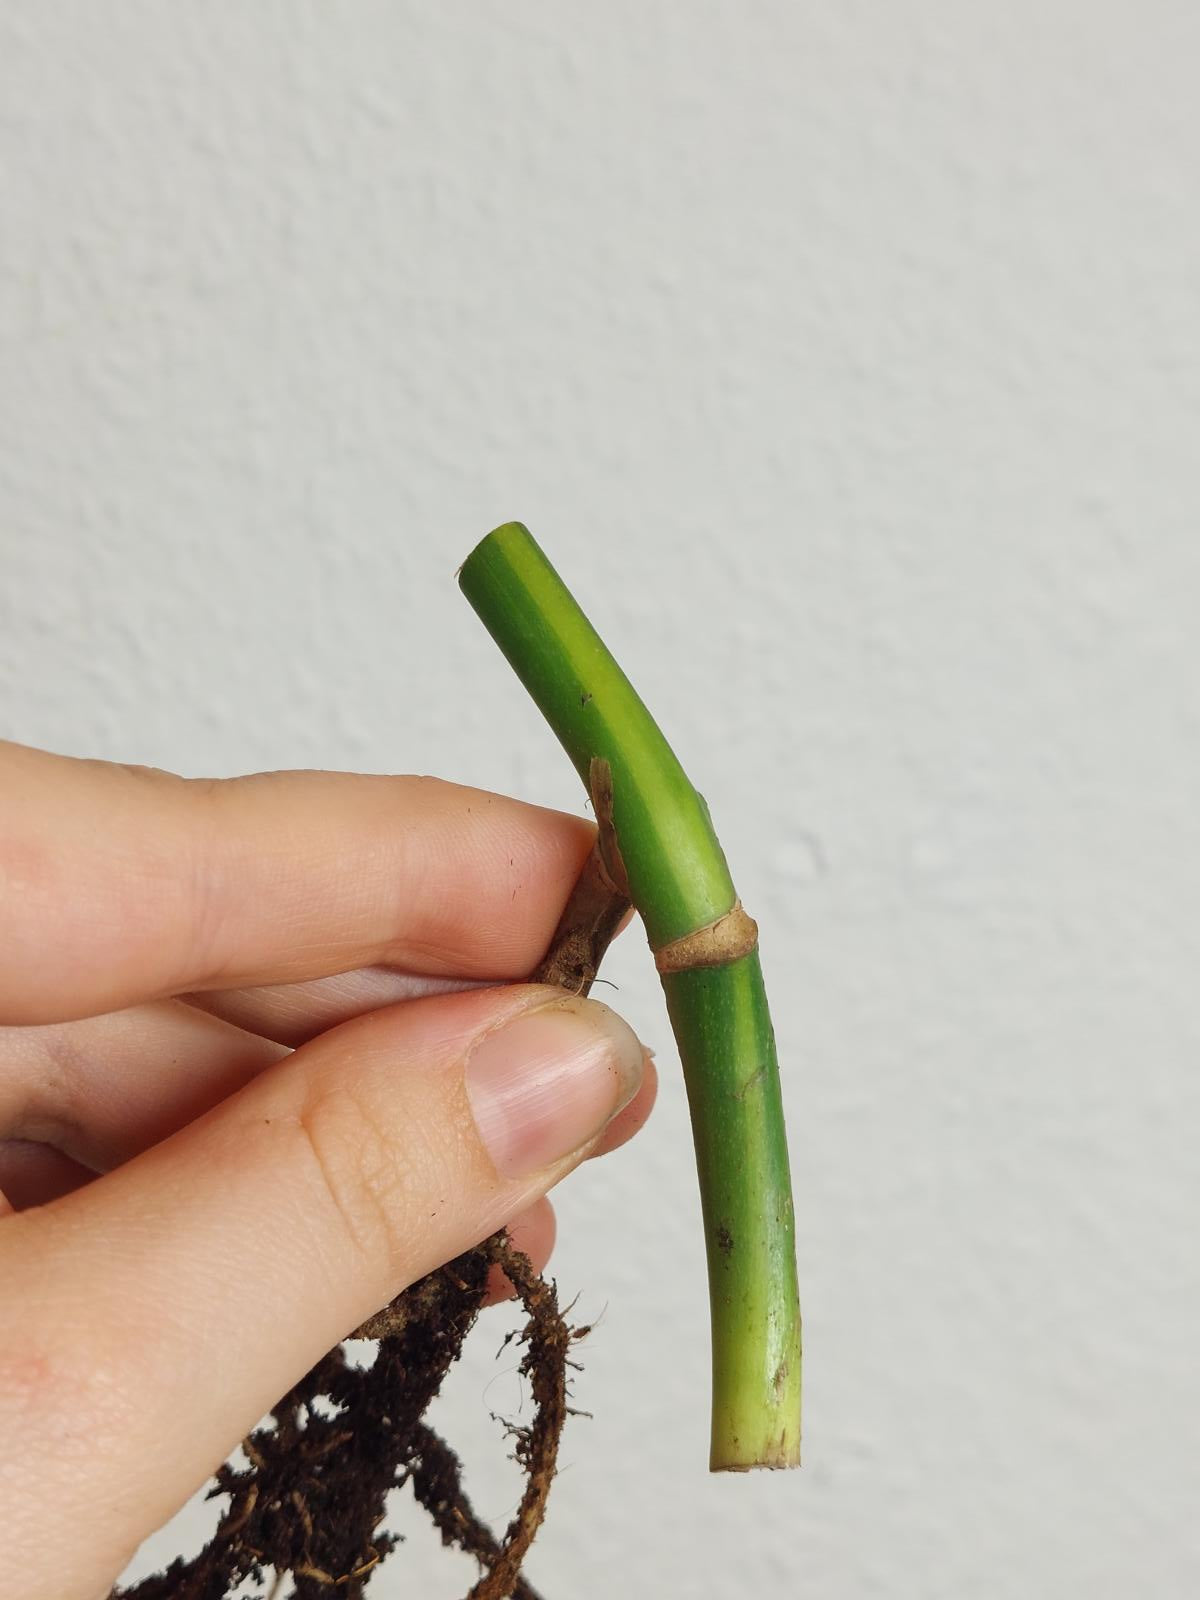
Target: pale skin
[[242, 1038]]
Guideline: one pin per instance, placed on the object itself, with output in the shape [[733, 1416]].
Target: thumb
[[153, 1317]]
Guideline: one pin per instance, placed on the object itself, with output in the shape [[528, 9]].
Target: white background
[[849, 356]]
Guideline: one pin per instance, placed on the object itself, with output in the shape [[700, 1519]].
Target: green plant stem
[[679, 882]]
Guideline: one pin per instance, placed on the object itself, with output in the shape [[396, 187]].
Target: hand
[[198, 987]]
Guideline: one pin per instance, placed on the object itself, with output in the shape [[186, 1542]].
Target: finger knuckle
[[364, 1172]]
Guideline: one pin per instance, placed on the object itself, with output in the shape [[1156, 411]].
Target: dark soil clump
[[311, 1500]]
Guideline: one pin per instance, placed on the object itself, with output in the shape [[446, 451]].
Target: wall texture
[[851, 353]]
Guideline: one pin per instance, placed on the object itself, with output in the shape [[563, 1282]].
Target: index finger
[[121, 884]]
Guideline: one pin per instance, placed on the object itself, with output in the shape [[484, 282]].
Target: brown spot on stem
[[755, 1077], [600, 788]]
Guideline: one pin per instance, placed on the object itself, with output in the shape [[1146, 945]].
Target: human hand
[[198, 992]]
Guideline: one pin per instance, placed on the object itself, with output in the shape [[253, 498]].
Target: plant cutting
[[308, 1503], [659, 848]]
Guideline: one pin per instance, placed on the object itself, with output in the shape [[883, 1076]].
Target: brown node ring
[[715, 945]]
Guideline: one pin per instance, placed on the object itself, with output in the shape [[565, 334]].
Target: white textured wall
[[850, 353]]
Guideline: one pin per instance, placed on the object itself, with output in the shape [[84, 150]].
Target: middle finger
[[105, 1088]]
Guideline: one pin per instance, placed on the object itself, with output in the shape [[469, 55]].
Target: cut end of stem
[[775, 1445], [781, 1464], [757, 1425]]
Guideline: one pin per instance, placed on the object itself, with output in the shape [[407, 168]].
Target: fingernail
[[549, 1081]]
